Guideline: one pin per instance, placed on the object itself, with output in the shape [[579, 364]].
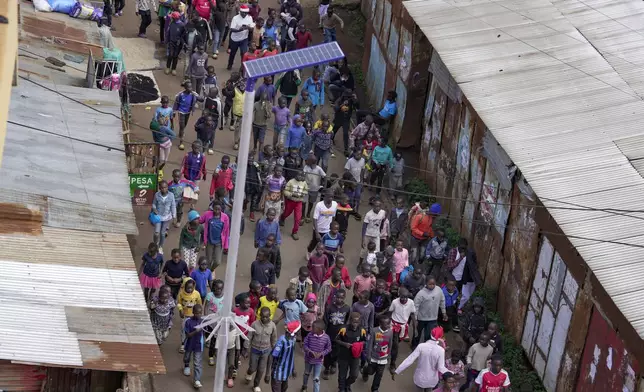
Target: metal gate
[[552, 300]]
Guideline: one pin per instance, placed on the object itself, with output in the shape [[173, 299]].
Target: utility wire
[[171, 101], [576, 208], [500, 227]]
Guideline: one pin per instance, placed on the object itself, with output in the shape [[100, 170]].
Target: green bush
[[522, 375], [419, 188]]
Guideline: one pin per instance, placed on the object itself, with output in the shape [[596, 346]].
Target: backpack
[[403, 275], [213, 109], [211, 229]]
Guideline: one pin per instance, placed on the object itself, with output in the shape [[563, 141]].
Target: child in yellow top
[[269, 301], [188, 297], [238, 111]]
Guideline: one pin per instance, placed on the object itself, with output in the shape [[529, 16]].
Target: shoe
[[248, 378], [167, 71], [229, 68], [281, 223], [365, 377], [228, 50], [307, 220], [120, 13], [181, 349], [456, 329], [235, 370], [214, 56], [211, 361], [142, 36], [295, 236], [174, 72], [186, 371], [221, 128], [236, 146], [197, 384], [211, 151], [332, 370], [303, 389], [181, 146], [332, 155], [230, 383], [217, 52], [161, 250], [252, 217], [257, 389], [325, 374]]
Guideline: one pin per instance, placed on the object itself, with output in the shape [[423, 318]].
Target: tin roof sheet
[[69, 292], [559, 84]]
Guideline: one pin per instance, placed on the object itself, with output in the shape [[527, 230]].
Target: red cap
[[293, 327], [244, 8], [437, 333]]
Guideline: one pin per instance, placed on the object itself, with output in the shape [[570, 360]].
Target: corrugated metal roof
[[559, 85], [69, 292], [84, 184]]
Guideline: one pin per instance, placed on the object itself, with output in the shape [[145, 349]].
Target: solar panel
[[295, 59]]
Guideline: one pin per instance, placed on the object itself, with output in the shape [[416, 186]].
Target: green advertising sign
[[142, 188]]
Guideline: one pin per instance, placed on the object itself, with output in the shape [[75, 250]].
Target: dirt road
[[293, 252]]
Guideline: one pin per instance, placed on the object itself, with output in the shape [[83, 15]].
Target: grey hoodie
[[427, 303]]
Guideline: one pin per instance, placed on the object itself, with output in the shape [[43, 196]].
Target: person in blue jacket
[[315, 86], [296, 133]]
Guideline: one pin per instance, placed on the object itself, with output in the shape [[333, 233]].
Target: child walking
[[275, 184], [316, 346], [165, 207], [265, 227], [150, 271], [312, 313], [283, 365], [193, 344], [317, 265], [186, 302], [274, 254], [213, 303], [350, 343], [302, 284], [161, 313], [260, 341], [378, 352], [190, 240], [202, 277]]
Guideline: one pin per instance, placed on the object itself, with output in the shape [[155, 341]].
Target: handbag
[[154, 218]]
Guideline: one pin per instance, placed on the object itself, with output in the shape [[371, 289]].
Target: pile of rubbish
[[74, 8]]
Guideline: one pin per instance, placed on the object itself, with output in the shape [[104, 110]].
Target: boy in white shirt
[[371, 226], [403, 315]]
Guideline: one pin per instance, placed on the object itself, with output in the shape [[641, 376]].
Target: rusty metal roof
[[69, 292], [559, 84]]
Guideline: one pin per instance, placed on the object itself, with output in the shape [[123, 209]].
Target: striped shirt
[[283, 358], [319, 344]]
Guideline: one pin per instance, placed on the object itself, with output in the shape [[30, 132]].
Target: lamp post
[[254, 69]]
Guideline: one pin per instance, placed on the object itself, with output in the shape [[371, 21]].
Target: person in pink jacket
[[216, 233], [401, 259]]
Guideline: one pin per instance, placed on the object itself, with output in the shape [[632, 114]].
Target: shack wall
[[487, 199], [397, 49]]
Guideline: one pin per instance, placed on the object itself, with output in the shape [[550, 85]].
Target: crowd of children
[[349, 326], [393, 300]]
